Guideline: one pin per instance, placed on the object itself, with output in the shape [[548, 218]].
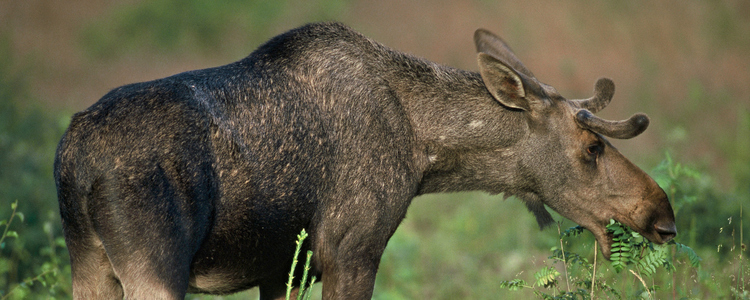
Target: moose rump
[[136, 181]]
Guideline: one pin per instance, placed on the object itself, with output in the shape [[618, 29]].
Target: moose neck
[[459, 128]]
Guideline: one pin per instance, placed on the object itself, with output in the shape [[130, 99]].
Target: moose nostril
[[666, 233]]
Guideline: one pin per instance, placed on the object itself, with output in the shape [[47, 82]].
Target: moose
[[199, 182]]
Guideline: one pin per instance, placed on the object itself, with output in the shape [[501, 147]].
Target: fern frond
[[695, 260], [513, 285], [546, 277]]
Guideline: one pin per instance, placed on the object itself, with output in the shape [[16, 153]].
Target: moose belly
[[251, 241]]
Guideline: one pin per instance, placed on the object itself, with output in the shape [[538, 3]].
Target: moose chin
[[200, 181]]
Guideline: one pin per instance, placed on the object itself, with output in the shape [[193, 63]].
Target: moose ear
[[488, 42], [504, 83]]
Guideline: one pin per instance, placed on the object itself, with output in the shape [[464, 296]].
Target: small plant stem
[[10, 220], [309, 288], [624, 281], [642, 282], [593, 274], [301, 292], [300, 238], [28, 281], [674, 288], [565, 261]]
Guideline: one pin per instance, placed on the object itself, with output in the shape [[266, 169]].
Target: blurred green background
[[684, 63]]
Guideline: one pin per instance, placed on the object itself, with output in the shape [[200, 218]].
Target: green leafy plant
[[51, 272], [628, 249], [9, 233], [305, 292], [631, 247], [546, 277], [513, 285], [675, 179]]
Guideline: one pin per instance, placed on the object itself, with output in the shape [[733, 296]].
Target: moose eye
[[594, 150]]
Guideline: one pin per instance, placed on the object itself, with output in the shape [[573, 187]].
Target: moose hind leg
[[92, 274], [153, 265], [96, 276], [151, 229], [142, 281]]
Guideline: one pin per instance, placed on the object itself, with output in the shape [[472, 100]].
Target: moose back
[[200, 181]]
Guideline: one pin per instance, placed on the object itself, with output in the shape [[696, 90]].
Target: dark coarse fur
[[200, 181]]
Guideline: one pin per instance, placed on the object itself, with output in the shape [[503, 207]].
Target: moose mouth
[[657, 233]]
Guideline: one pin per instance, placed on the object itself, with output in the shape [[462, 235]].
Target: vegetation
[[451, 246], [305, 291], [33, 258], [630, 251]]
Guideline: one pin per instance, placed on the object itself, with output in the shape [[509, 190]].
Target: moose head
[[562, 158]]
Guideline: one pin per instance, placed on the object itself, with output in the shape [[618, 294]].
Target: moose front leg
[[350, 276], [349, 269], [349, 246]]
